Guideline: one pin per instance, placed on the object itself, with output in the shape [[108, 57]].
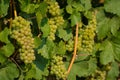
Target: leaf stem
[[75, 50]]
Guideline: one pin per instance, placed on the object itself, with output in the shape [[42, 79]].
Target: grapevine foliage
[[38, 37]]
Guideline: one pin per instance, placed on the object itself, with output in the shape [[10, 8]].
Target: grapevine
[[59, 40]]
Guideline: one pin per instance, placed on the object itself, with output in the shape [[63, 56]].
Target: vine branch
[[75, 50], [16, 64]]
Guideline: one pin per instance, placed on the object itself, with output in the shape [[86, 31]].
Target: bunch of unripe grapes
[[55, 20], [70, 45], [98, 75], [57, 68], [86, 36], [54, 8], [21, 32], [88, 39]]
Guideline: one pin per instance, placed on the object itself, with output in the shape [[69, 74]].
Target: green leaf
[[78, 6], [44, 21], [42, 8], [75, 18], [27, 7], [3, 58], [115, 25], [4, 35], [64, 34], [106, 55], [114, 72], [87, 4], [39, 18], [4, 5], [42, 64], [60, 48], [69, 1], [103, 28], [51, 47], [7, 50], [37, 42], [44, 51], [47, 49], [46, 30], [9, 72], [116, 48], [82, 68], [100, 15], [69, 9], [88, 14], [112, 6], [34, 72]]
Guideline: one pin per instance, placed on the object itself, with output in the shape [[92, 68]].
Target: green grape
[[87, 35], [52, 32], [57, 68], [21, 32], [59, 20], [70, 45], [54, 8]]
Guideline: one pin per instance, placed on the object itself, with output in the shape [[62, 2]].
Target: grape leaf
[[46, 30], [106, 55], [75, 18], [69, 9], [3, 58], [7, 50], [115, 25], [4, 5], [87, 4], [112, 6], [27, 7], [39, 18], [47, 49], [38, 69], [103, 28], [37, 42], [116, 47], [69, 1], [60, 48], [114, 71], [42, 8], [44, 51], [82, 68], [100, 15], [77, 6], [64, 34], [9, 72], [4, 35], [34, 72]]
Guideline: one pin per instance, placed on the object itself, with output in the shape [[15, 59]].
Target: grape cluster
[[86, 37], [21, 32], [55, 20], [98, 75], [54, 8], [58, 68], [58, 20], [70, 45]]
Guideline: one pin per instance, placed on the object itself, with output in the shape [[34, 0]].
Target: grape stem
[[75, 50], [15, 12], [10, 13]]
